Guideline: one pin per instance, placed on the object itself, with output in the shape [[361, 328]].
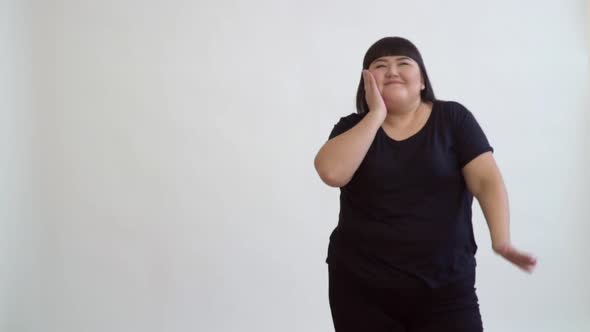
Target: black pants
[[411, 307]]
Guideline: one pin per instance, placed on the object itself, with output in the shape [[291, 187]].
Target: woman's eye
[[404, 63], [380, 66]]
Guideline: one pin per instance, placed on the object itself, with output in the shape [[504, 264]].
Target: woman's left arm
[[484, 180]]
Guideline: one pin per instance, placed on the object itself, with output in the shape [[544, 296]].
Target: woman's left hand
[[525, 261]]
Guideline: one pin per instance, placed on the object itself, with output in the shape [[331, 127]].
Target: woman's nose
[[391, 72]]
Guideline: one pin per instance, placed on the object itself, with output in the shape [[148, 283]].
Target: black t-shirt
[[406, 210]]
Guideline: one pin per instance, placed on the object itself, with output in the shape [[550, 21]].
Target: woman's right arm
[[340, 157]]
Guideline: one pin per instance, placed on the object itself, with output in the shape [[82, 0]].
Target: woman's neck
[[404, 115]]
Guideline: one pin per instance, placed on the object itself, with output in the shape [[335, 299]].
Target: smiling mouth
[[389, 83]]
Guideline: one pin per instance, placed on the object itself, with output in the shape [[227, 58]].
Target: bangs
[[391, 46]]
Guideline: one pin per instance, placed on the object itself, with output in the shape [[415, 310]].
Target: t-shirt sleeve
[[471, 141], [344, 124]]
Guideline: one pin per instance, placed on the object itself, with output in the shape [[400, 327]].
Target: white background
[[157, 156]]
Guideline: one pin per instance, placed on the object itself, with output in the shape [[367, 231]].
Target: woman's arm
[[340, 157], [484, 180]]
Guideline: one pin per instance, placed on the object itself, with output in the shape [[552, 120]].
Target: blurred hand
[[524, 261]]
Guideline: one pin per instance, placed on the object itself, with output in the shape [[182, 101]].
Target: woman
[[402, 257]]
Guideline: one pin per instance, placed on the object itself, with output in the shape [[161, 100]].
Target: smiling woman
[[390, 58], [398, 79], [408, 165]]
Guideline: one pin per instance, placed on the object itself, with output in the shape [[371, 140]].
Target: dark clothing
[[406, 210], [409, 307]]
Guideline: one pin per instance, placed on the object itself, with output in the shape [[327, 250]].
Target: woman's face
[[398, 78]]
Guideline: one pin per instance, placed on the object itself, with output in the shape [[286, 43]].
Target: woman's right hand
[[372, 95]]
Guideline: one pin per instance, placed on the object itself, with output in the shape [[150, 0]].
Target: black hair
[[392, 46]]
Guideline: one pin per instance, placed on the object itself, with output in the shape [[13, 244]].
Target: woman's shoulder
[[452, 106], [345, 123], [453, 111], [351, 118]]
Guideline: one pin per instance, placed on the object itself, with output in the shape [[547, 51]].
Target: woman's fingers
[[367, 79], [372, 94], [370, 83]]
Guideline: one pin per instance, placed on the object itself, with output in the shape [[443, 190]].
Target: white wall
[[175, 143], [20, 240]]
